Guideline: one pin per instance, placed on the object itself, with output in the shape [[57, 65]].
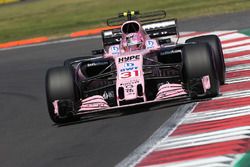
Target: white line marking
[[240, 67], [163, 132], [187, 32], [240, 58], [232, 36], [53, 42], [223, 32], [97, 37], [214, 115], [183, 39], [237, 49], [231, 44], [235, 94], [204, 138], [237, 80]]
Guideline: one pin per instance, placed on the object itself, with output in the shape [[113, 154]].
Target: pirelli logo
[[128, 58]]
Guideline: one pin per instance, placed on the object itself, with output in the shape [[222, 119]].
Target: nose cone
[[129, 76]]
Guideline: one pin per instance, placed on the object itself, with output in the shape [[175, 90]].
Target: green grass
[[59, 17], [7, 1]]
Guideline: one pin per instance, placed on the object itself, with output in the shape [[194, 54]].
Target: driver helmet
[[133, 41]]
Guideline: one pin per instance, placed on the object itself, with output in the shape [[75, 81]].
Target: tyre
[[215, 44], [197, 63], [60, 86]]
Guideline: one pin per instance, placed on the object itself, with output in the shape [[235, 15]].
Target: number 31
[[129, 74]]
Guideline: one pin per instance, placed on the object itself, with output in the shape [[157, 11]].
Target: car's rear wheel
[[197, 63], [215, 44], [60, 90]]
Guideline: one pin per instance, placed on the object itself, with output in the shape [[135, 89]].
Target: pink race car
[[139, 64]]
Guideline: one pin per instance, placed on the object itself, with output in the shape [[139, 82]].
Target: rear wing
[[143, 18], [154, 29], [161, 29]]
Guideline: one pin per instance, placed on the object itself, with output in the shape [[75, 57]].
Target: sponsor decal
[[150, 44], [128, 67], [115, 49], [107, 95], [130, 91], [97, 64], [128, 58], [129, 86], [163, 53], [129, 74], [159, 25]]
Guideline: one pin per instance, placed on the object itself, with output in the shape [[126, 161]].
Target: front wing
[[138, 107]]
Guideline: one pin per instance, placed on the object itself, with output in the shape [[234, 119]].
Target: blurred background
[[21, 19], [30, 139]]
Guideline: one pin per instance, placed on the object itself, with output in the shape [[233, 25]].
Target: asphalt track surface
[[29, 138]]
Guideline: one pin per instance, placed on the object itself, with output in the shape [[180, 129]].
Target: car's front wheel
[[197, 64], [61, 94], [215, 44]]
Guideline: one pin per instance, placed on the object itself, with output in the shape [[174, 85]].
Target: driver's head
[[133, 41]]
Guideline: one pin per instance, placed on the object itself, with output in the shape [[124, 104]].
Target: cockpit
[[133, 36]]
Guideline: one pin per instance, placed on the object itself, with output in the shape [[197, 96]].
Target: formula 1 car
[[140, 63]]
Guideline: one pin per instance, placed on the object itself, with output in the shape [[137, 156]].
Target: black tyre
[[215, 44], [60, 86], [197, 62]]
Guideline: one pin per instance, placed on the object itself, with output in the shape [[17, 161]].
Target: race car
[[141, 62]]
